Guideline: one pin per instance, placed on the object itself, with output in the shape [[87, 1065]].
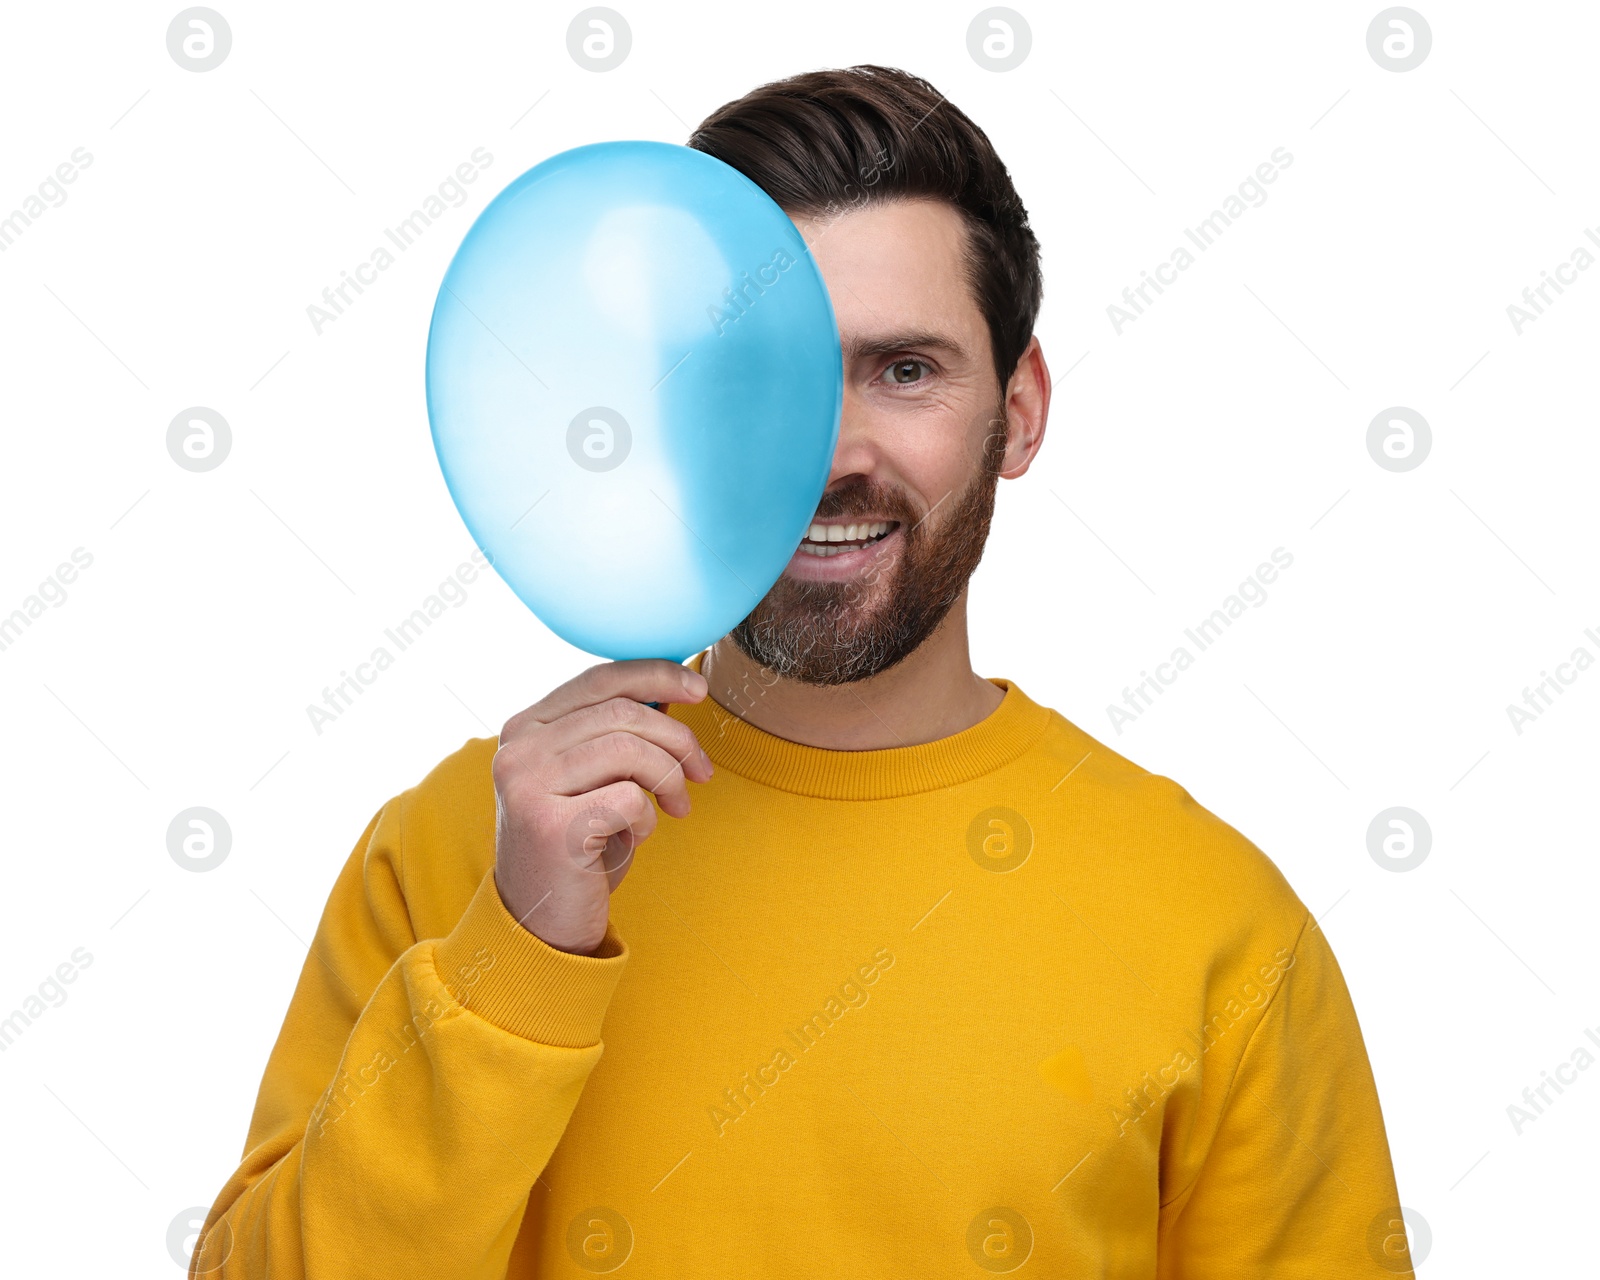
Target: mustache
[[862, 496]]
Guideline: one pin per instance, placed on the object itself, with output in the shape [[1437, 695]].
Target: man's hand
[[573, 779]]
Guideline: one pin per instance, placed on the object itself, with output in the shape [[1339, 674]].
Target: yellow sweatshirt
[[1000, 1002]]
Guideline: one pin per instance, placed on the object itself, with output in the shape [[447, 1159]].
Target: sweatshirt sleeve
[[416, 1090], [1298, 1181]]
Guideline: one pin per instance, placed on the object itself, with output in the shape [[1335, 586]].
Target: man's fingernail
[[695, 683]]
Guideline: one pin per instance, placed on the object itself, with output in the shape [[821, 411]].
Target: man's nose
[[856, 453]]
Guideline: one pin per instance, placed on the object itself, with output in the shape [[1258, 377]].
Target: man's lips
[[830, 538], [836, 550]]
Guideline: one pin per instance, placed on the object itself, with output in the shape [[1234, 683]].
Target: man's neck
[[930, 695]]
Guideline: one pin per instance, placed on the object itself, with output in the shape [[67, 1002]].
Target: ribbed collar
[[738, 746]]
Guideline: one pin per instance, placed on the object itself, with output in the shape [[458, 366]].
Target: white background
[[1228, 420]]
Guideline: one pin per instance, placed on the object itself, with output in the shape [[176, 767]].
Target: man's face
[[906, 512]]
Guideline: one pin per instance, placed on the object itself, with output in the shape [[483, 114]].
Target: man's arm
[[419, 1086], [1298, 1180], [416, 1090]]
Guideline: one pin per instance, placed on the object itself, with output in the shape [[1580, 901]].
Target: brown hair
[[825, 142]]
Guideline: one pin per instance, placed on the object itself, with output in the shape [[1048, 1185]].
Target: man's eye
[[904, 372]]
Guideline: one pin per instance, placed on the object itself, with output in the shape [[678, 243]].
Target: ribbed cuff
[[519, 982]]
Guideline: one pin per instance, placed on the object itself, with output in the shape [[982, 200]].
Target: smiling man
[[928, 982]]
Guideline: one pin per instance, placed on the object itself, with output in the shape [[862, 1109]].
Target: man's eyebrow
[[866, 348]]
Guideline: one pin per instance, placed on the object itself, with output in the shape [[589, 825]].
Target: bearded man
[[900, 972]]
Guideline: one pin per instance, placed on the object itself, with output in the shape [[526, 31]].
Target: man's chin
[[811, 632]]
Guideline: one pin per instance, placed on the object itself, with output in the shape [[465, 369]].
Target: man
[[928, 982]]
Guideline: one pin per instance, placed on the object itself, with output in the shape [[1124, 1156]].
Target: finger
[[642, 679], [625, 715], [615, 757], [607, 824]]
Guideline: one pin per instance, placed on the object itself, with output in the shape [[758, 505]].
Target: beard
[[836, 633]]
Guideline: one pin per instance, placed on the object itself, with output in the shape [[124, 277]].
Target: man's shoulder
[[1143, 836], [447, 835], [461, 778]]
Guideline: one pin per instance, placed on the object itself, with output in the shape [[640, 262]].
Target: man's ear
[[1027, 408]]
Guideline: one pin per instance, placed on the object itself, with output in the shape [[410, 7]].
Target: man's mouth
[[824, 540]]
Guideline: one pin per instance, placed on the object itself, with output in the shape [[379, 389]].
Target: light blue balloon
[[634, 381]]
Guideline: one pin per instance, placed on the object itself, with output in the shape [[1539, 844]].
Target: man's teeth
[[848, 532], [821, 539]]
